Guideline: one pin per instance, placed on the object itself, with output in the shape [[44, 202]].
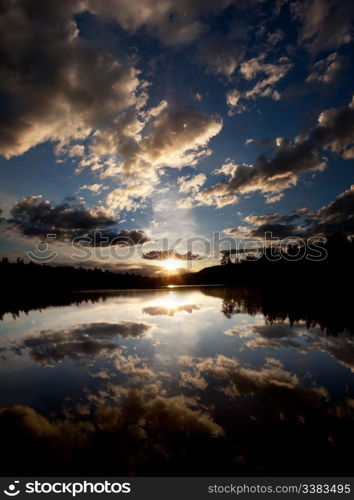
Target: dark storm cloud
[[170, 254], [84, 340], [70, 219]]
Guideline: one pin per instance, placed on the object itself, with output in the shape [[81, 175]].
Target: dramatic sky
[[173, 119]]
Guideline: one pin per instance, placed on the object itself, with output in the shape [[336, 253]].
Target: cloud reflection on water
[[191, 394]]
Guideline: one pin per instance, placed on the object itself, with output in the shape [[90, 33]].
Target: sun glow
[[170, 265]]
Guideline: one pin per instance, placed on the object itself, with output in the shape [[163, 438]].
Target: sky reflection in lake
[[173, 382]]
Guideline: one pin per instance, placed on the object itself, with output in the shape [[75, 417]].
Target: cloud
[[280, 335], [191, 184], [170, 311], [272, 73], [188, 380], [137, 430], [128, 197], [335, 129], [173, 22], [124, 237], [93, 188], [328, 69], [85, 340], [170, 254], [336, 217], [133, 366], [233, 102], [274, 37], [324, 24], [220, 54], [270, 381], [258, 220], [171, 136], [36, 217], [58, 86], [272, 175], [70, 219]]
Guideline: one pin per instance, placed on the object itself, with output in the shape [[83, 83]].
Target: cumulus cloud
[[58, 85], [85, 340], [167, 136], [191, 184], [177, 137], [128, 197], [73, 87], [33, 216]]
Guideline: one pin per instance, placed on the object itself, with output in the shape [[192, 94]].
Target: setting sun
[[170, 265]]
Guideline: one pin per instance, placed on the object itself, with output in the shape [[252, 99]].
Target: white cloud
[[191, 184]]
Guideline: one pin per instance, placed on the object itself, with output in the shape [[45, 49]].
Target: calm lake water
[[173, 382]]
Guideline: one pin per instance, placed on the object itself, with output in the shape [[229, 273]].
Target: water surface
[[190, 381]]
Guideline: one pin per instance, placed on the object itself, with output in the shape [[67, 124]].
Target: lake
[[174, 382]]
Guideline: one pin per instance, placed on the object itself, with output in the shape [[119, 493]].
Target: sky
[[135, 134]]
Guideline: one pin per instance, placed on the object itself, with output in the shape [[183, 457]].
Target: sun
[[170, 265]]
